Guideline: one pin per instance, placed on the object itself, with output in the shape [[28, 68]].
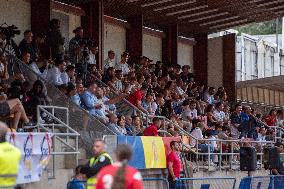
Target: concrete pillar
[[40, 16], [93, 24], [170, 45], [229, 65], [200, 58], [134, 37]]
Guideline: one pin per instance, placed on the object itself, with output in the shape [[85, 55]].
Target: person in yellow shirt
[[9, 160], [96, 163]]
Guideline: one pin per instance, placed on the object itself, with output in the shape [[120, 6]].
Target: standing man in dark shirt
[[279, 169], [96, 163], [54, 39], [27, 45]]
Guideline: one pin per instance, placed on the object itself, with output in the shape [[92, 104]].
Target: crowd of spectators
[[123, 92]]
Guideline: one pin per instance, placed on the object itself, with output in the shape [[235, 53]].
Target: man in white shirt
[[189, 110], [110, 61], [92, 54], [218, 113], [122, 65], [57, 75], [36, 65], [209, 96]]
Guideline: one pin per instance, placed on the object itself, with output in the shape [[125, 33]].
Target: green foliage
[[262, 28]]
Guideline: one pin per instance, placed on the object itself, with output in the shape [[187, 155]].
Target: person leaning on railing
[[9, 160]]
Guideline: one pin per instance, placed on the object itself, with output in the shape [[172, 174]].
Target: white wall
[[152, 47], [114, 39], [215, 62], [185, 54], [18, 13]]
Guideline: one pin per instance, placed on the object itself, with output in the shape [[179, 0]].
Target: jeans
[[205, 147]]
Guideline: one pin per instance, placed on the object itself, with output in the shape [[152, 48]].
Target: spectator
[[70, 71], [174, 165], [94, 49], [27, 45], [57, 75], [152, 130], [185, 75], [271, 118], [118, 83], [279, 118], [40, 67], [121, 125], [209, 96], [4, 75], [112, 124], [129, 126], [218, 113], [72, 94], [138, 127], [189, 111], [54, 39], [122, 65], [136, 99], [13, 106], [77, 180], [37, 97], [75, 45], [279, 170], [149, 104], [248, 124], [110, 61]]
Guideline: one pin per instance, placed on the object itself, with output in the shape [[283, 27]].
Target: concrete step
[[62, 176]]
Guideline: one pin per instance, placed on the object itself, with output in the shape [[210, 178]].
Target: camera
[[9, 31]]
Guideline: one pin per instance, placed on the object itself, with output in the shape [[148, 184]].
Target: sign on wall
[[35, 149]]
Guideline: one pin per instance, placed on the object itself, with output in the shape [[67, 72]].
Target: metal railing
[[61, 132], [80, 120], [212, 183], [206, 155]]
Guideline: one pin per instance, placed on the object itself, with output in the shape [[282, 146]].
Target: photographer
[[27, 45], [74, 45]]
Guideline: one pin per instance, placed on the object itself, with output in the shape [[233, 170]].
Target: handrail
[[58, 91]]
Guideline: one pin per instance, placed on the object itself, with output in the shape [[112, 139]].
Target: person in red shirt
[[174, 165], [136, 98], [271, 119], [152, 130], [119, 175]]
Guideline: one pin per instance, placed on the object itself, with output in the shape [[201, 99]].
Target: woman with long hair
[[119, 175]]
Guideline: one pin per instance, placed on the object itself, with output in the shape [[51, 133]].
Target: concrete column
[[93, 24], [200, 58], [40, 15], [170, 45], [229, 65], [134, 37]]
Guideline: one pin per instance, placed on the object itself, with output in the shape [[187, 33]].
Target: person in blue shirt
[[77, 181]]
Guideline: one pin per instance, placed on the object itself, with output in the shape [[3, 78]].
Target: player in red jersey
[[119, 175]]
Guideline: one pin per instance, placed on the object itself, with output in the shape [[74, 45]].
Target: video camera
[[9, 31]]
